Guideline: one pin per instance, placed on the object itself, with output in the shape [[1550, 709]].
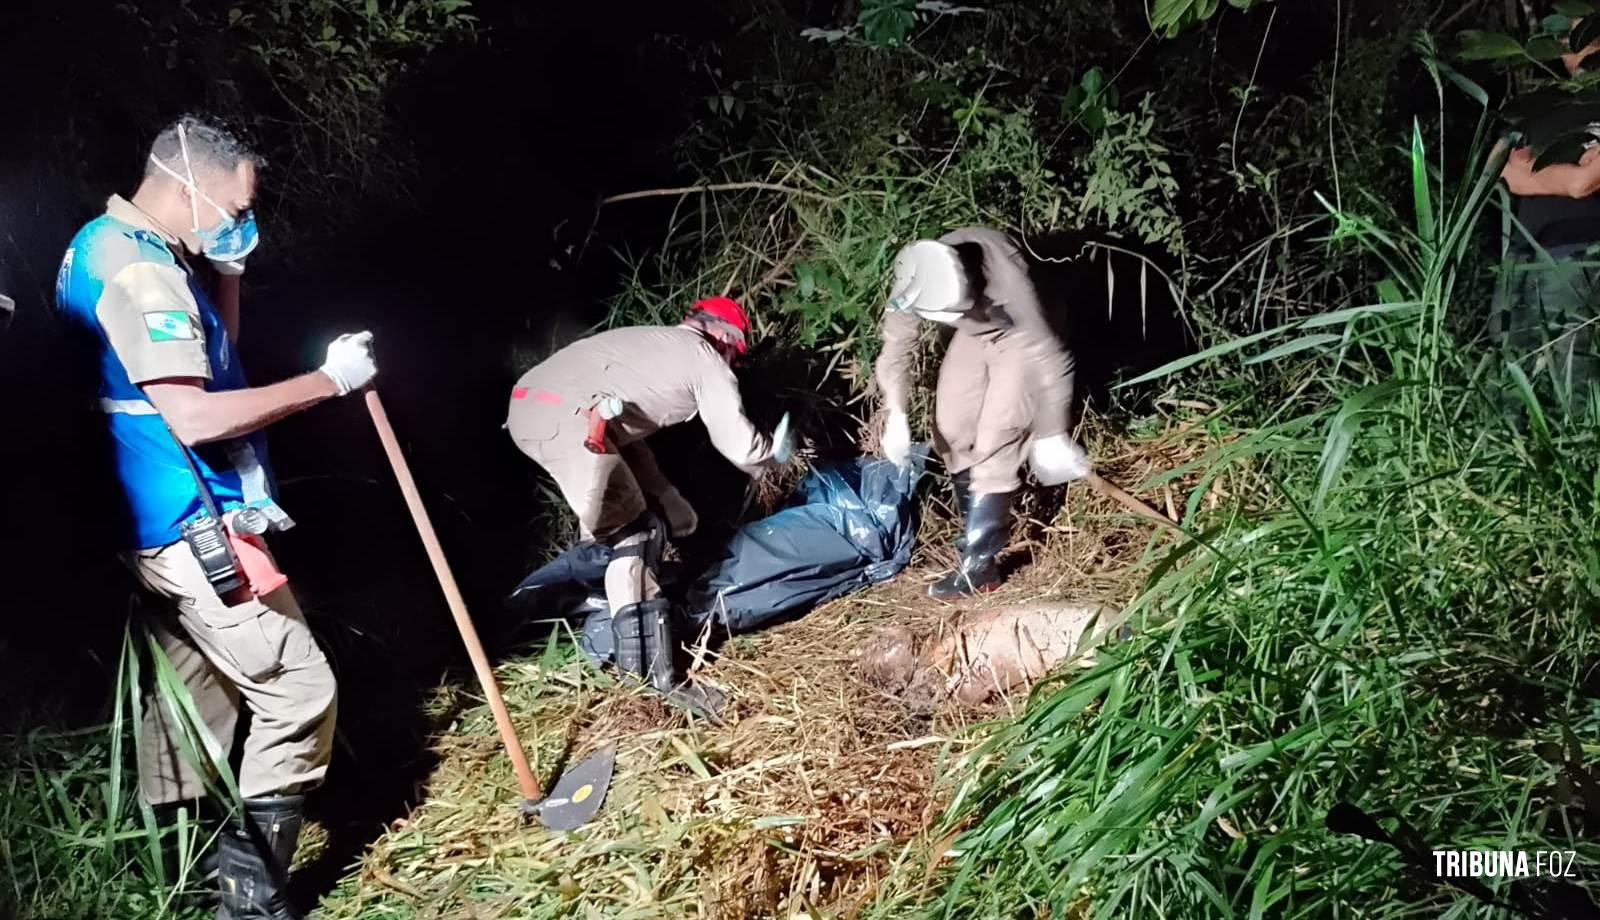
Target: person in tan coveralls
[[644, 378], [1005, 386]]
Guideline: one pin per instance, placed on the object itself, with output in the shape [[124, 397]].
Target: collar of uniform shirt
[[129, 213]]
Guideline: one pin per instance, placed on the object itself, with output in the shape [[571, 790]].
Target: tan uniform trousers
[[606, 491], [983, 415], [260, 653]]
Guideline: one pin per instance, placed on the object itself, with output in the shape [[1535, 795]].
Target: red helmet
[[727, 310]]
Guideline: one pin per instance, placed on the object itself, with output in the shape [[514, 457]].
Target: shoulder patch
[[171, 325]]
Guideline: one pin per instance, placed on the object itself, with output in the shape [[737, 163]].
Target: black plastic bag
[[849, 524]]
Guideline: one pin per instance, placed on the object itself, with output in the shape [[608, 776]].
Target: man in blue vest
[[187, 433]]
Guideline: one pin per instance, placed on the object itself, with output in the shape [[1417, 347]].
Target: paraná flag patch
[[169, 325]]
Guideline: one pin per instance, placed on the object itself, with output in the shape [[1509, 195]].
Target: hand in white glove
[[896, 440], [1059, 459], [350, 363], [235, 267], [782, 441], [681, 518]]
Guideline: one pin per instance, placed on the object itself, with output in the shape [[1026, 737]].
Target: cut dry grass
[[804, 801]]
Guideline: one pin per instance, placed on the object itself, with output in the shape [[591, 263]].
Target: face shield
[[930, 282]]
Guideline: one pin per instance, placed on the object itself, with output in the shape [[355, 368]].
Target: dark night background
[[518, 134]]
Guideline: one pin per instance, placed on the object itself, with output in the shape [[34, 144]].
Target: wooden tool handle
[[452, 596], [1128, 501]]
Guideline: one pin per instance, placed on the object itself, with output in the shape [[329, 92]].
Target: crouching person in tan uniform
[[636, 381], [1004, 395], [189, 450]]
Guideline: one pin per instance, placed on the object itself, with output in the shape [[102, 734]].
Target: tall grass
[[1396, 612], [77, 840]]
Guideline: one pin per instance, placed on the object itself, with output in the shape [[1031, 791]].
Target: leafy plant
[[888, 23], [1088, 102], [1558, 114], [1129, 185], [1171, 17], [1335, 654], [311, 79]]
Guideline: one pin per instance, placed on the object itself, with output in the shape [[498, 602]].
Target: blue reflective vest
[[159, 486]]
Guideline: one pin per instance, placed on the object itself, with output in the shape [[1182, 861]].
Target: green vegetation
[[1385, 606], [1395, 610]]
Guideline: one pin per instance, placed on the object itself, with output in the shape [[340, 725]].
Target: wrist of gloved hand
[[681, 517], [350, 364], [1058, 459], [896, 440], [782, 442]]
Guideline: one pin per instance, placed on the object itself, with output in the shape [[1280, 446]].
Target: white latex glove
[[350, 363], [236, 267], [1059, 459], [681, 518], [896, 440], [782, 441]]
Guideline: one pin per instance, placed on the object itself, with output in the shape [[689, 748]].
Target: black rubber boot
[[200, 872], [703, 701], [253, 860], [961, 490], [658, 626], [631, 640], [988, 526]]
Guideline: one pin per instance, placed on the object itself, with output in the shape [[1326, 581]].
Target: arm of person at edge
[[721, 409], [198, 416], [1561, 179], [892, 369]]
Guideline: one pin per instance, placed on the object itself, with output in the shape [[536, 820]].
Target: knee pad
[[644, 538]]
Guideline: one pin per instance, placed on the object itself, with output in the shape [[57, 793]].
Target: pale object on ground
[[985, 653]]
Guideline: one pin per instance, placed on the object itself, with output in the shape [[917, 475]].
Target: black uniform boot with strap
[[961, 490], [704, 701], [646, 651], [253, 860], [630, 633], [988, 527]]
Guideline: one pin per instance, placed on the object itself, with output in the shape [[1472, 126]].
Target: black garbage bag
[[849, 524], [571, 586]]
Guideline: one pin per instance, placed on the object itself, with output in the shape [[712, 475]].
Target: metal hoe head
[[577, 795]]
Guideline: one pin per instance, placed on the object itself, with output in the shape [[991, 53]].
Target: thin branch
[[778, 270], [723, 187], [1233, 149], [1333, 93]]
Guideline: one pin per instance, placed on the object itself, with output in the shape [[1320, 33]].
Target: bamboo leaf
[[1339, 317], [1342, 431], [1215, 351], [1421, 196], [1295, 345]]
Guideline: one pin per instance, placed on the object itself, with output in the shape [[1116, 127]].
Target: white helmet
[[929, 281]]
